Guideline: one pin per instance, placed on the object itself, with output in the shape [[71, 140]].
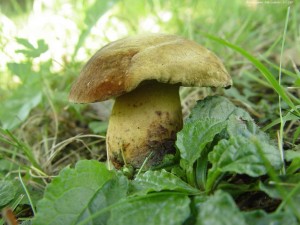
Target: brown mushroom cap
[[121, 66]]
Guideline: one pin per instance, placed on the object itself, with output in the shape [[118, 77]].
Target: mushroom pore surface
[[144, 124]]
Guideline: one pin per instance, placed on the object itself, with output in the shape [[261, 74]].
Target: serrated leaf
[[165, 208], [155, 181], [7, 192], [239, 125], [71, 193], [215, 107], [241, 155], [219, 209], [260, 217], [30, 50], [193, 138]]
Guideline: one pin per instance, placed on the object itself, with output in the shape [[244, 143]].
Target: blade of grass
[[26, 150], [265, 72], [287, 72], [288, 117], [287, 198], [92, 15], [27, 194], [280, 134]]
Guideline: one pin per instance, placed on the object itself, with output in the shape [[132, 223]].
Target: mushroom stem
[[144, 124]]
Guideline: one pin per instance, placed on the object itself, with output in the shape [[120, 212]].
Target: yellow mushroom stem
[[144, 124]]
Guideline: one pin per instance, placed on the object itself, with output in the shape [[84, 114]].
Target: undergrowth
[[237, 158]]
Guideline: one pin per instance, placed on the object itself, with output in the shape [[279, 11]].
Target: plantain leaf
[[153, 209], [155, 181]]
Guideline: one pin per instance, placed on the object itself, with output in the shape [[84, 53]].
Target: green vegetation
[[238, 155]]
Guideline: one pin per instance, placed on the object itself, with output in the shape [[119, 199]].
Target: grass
[[52, 133]]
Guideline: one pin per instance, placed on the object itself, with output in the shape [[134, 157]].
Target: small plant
[[223, 155], [227, 168]]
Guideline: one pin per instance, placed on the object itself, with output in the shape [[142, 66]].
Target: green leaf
[[155, 181], [31, 51], [243, 126], [27, 96], [241, 155], [260, 217], [98, 127], [7, 192], [73, 193], [291, 155], [25, 43], [153, 209], [219, 209], [111, 192], [16, 109], [193, 138], [22, 70], [214, 107]]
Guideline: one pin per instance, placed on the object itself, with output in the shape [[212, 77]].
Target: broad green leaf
[[16, 109], [243, 126], [219, 209], [153, 209], [111, 192], [7, 192], [214, 107], [72, 193], [220, 108], [241, 155], [193, 138], [155, 181], [260, 217], [23, 71]]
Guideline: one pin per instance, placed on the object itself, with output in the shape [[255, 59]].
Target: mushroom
[[143, 74]]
